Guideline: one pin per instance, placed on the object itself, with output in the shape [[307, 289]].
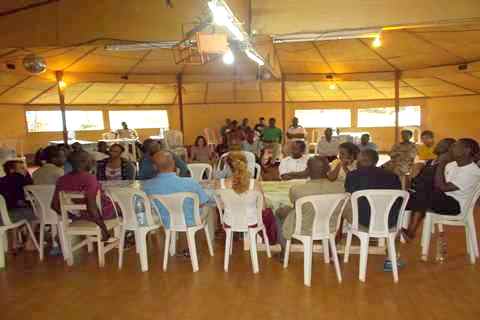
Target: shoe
[[387, 265], [55, 252]]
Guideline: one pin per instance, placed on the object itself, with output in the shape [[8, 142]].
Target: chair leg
[[267, 242], [2, 249], [253, 251], [364, 239], [307, 261], [143, 253], [41, 241], [32, 235], [473, 235], [89, 245], [173, 243], [166, 247], [346, 252], [426, 236], [101, 251], [228, 244], [333, 247], [392, 252], [326, 252], [121, 247], [209, 240], [192, 248], [287, 254]]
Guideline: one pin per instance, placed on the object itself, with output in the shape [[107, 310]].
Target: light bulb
[[332, 86], [62, 85], [228, 57], [377, 42]]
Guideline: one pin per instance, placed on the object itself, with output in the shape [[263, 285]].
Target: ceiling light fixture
[[223, 16], [364, 33], [62, 85], [141, 46], [255, 56], [377, 42], [228, 57], [332, 86]]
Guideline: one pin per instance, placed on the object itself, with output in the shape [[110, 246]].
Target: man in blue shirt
[[167, 182], [147, 168]]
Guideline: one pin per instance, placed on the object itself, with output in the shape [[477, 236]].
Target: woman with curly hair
[[346, 162]]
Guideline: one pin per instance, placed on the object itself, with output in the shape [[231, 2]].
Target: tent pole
[[180, 99], [284, 120], [397, 105], [61, 96]]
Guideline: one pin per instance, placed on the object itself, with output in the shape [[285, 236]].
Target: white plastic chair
[[173, 203], [381, 203], [250, 162], [9, 225], [88, 229], [126, 199], [198, 171], [324, 206], [228, 200], [40, 197], [464, 219]]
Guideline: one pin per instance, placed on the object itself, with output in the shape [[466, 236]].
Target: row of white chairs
[[380, 202]]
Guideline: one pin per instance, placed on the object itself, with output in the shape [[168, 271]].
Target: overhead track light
[[223, 16], [255, 56], [377, 42], [364, 33]]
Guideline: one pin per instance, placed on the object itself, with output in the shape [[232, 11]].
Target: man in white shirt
[[126, 133], [52, 169], [328, 146], [457, 177], [296, 132], [294, 166]]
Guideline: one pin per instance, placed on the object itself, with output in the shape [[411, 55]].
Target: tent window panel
[[51, 121], [139, 119], [324, 118], [385, 117]]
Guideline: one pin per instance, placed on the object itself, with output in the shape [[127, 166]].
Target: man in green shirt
[[272, 138]]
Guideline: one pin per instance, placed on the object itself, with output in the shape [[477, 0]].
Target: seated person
[[52, 169], [365, 143], [77, 146], [80, 180], [147, 168], [402, 155], [369, 176], [426, 149], [328, 145], [347, 161], [269, 165], [11, 188], [317, 168], [200, 151], [167, 182], [455, 181], [225, 164], [102, 151], [115, 167], [293, 167]]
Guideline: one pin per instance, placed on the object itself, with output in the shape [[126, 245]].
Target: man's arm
[[295, 175], [440, 180]]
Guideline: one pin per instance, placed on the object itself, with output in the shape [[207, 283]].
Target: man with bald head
[[167, 182], [81, 180], [147, 167], [317, 168]]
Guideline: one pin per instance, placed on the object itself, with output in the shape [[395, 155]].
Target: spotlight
[[228, 57], [377, 42], [62, 85], [332, 86]]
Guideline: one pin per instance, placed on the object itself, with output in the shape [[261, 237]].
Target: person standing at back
[[402, 155], [52, 169], [365, 143], [425, 150], [126, 133], [260, 126], [272, 137], [328, 146]]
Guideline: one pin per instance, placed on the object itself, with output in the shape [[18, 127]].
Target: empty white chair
[[234, 209], [40, 196], [88, 229], [199, 170], [174, 205], [8, 224], [381, 203], [137, 217], [324, 206], [464, 219]]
